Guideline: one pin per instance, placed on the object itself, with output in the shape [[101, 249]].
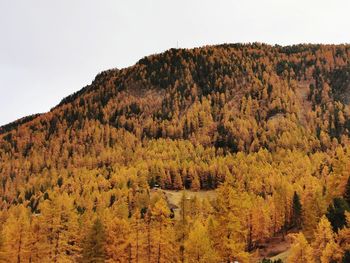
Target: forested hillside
[[266, 126]]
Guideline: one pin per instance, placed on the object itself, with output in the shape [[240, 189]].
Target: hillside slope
[[261, 123]]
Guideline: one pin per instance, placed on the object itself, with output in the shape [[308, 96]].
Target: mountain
[[266, 126]]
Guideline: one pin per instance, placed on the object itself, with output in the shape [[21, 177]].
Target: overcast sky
[[50, 49]]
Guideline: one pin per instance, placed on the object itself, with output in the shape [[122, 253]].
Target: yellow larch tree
[[323, 236], [37, 240], [59, 222], [300, 251], [343, 238], [15, 233], [162, 247], [198, 247], [260, 220], [332, 253], [232, 235], [118, 243]]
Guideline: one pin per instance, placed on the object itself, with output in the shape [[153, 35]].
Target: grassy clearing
[[174, 197], [283, 256]]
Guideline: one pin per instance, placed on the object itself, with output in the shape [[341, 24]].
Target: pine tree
[[336, 213], [296, 211]]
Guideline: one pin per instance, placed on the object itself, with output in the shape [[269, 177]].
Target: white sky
[[50, 49]]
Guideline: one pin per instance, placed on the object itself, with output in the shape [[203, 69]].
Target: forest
[[265, 127]]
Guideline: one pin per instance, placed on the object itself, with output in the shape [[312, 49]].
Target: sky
[[50, 49]]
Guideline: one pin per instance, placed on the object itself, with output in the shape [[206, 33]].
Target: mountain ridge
[[263, 129], [287, 49], [149, 75], [74, 95]]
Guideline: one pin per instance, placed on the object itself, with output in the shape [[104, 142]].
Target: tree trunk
[[137, 241], [159, 246], [19, 249], [149, 240], [56, 247]]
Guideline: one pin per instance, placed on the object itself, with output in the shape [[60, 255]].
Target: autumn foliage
[[267, 127]]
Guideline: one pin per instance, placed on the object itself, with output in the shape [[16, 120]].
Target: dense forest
[[266, 127]]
